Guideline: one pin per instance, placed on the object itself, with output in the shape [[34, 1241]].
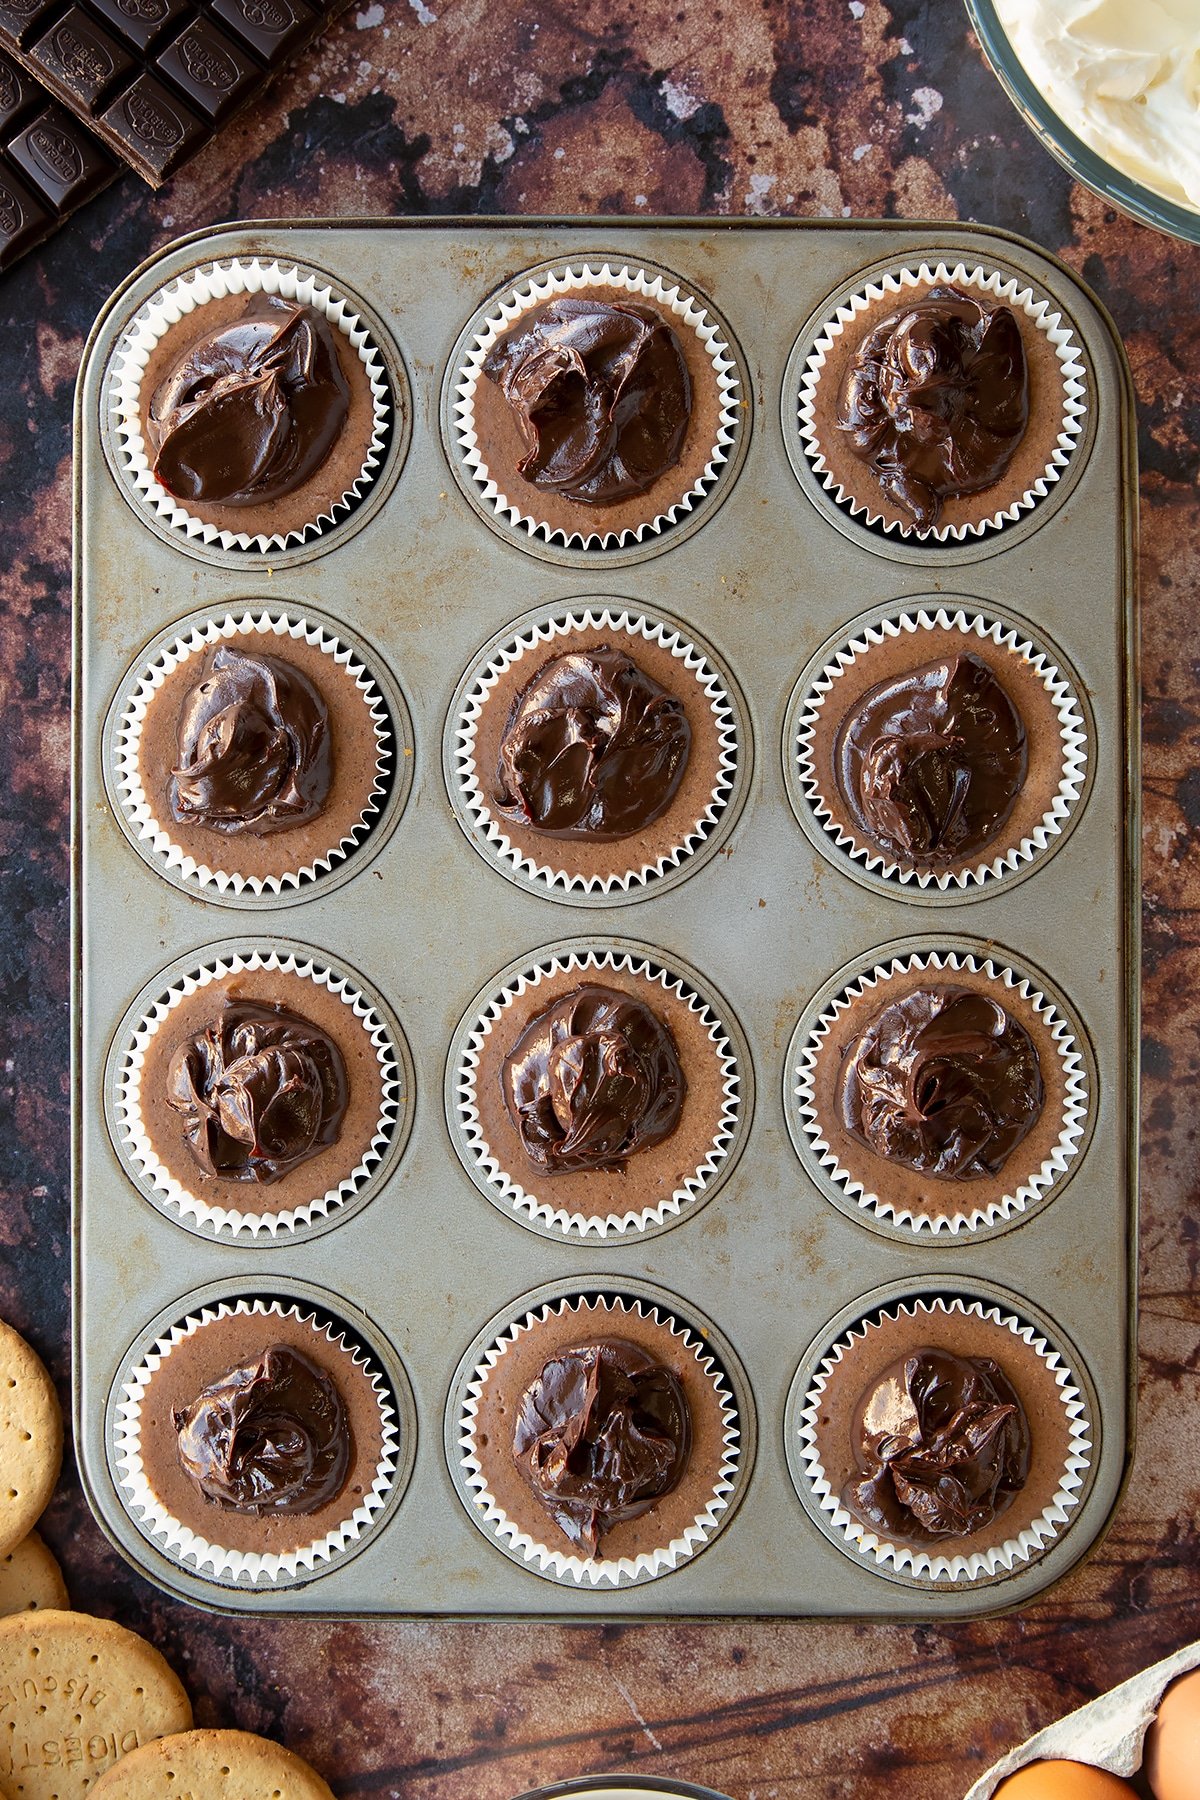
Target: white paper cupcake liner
[[531, 292], [932, 1565], [188, 1547], [140, 1156], [896, 286], [710, 691], [185, 295], [503, 1184], [1037, 1183], [155, 832], [1007, 858], [599, 1571]]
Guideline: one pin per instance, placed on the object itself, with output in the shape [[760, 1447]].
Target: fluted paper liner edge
[[912, 1560], [187, 1546], [599, 1571], [1038, 1182], [542, 635], [139, 1154], [183, 296]]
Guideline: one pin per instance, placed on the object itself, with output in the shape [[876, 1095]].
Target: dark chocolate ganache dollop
[[936, 400], [252, 410], [931, 762], [259, 1089], [942, 1446], [593, 747], [593, 1079], [270, 1436], [600, 393], [254, 746], [601, 1435], [944, 1082]]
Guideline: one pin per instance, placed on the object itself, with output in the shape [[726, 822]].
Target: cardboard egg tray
[[422, 577]]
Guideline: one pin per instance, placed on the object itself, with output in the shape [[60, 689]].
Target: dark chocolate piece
[[270, 1436], [273, 29], [254, 746], [593, 748], [22, 20], [593, 1079], [601, 396], [942, 1446], [260, 1090], [209, 70], [82, 58], [936, 400], [63, 159], [944, 1082], [930, 763], [250, 412], [23, 218], [20, 95], [602, 1434], [140, 23], [155, 131]]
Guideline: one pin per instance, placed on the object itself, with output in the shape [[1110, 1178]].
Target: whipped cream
[[1124, 75]]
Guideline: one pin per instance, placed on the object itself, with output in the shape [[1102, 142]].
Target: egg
[[1172, 1762], [1064, 1781]]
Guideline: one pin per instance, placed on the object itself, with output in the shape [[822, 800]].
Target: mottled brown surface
[[679, 107]]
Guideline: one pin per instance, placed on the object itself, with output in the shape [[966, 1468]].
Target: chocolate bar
[[94, 84]]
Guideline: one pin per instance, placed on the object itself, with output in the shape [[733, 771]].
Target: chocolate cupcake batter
[[255, 752], [942, 1446], [930, 763], [936, 400], [593, 748], [260, 1090], [268, 1436], [601, 396], [942, 1081], [594, 1078], [601, 1434], [251, 410]]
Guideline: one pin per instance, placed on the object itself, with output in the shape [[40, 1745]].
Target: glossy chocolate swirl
[[930, 763], [942, 1447], [593, 1079], [260, 1090], [601, 1435], [254, 746], [936, 400], [251, 410], [592, 748], [600, 394], [944, 1082], [270, 1436]]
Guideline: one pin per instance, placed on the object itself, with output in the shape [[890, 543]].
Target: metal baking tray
[[767, 576]]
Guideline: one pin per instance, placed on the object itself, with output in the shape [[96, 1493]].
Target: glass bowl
[[1084, 164]]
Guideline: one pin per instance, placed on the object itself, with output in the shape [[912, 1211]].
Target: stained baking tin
[[764, 578]]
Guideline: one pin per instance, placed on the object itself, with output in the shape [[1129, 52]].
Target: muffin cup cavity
[[1052, 794], [695, 823], [670, 500], [598, 1206], [1061, 1430], [852, 485], [182, 299], [187, 1546], [593, 1315], [147, 818], [360, 1019], [939, 1210]]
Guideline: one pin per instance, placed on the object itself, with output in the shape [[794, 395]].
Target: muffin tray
[[771, 1256]]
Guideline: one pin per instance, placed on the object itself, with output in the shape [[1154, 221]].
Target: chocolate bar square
[[63, 161], [83, 57], [23, 219], [272, 29], [20, 95], [140, 23], [155, 130], [209, 70]]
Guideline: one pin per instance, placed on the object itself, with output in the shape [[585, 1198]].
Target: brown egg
[[1173, 1742], [1064, 1781]]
